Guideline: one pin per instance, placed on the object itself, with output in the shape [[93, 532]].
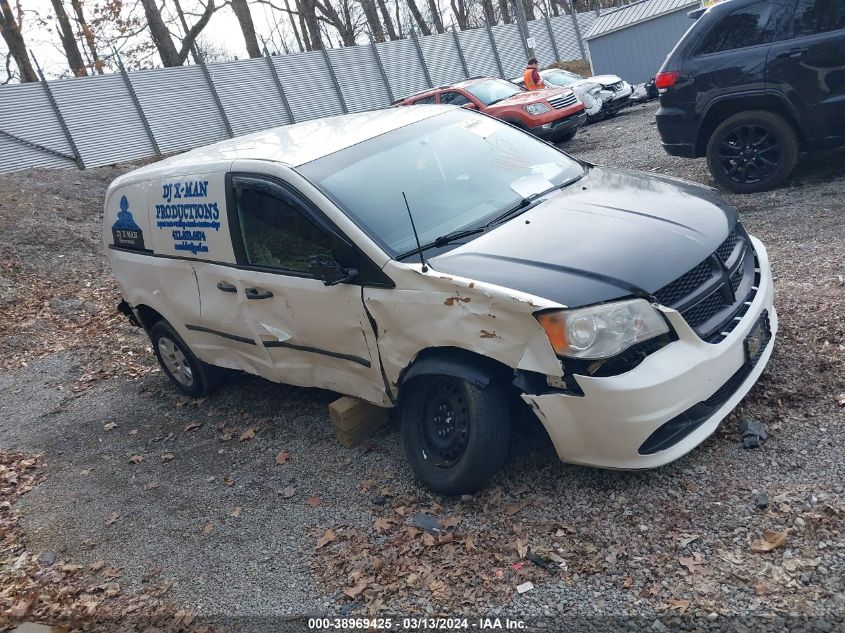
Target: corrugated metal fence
[[106, 119]]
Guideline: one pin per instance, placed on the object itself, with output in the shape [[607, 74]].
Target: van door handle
[[792, 52], [225, 286], [255, 293]]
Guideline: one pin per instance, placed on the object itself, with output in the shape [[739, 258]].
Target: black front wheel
[[752, 151], [455, 433], [187, 372]]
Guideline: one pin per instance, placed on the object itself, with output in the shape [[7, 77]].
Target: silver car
[[610, 90]]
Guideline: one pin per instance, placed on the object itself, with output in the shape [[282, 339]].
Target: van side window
[[276, 234], [747, 26], [818, 16]]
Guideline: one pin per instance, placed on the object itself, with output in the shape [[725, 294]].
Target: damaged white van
[[443, 262]]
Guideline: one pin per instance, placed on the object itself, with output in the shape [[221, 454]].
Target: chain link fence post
[[137, 103], [77, 156], [335, 81], [214, 94], [577, 30], [495, 50], [279, 86], [381, 70], [422, 58], [460, 53]]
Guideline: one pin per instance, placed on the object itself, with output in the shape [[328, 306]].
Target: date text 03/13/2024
[[433, 624]]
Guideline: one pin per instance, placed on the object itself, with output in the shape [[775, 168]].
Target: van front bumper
[[609, 425]]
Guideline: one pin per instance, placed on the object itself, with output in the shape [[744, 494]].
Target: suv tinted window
[[275, 234], [453, 98], [750, 25], [818, 16], [430, 99]]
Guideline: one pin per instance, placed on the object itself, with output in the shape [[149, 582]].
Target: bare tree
[[504, 9], [371, 14], [418, 17], [170, 55], [11, 30], [242, 12], [308, 12], [436, 18], [193, 32], [68, 38], [388, 22], [88, 35]]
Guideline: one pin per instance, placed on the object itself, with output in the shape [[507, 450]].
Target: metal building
[[633, 41]]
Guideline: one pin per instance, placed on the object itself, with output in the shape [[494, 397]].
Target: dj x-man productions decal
[[125, 231]]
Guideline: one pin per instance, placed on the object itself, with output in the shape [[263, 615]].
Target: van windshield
[[459, 170]]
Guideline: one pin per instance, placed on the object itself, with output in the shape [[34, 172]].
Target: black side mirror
[[329, 271]]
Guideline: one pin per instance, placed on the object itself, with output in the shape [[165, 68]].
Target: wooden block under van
[[356, 420]]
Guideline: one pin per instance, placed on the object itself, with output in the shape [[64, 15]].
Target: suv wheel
[[752, 151], [455, 434], [190, 375]]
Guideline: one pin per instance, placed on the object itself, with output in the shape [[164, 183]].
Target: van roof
[[296, 144]]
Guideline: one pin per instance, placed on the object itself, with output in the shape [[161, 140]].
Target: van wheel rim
[[445, 422], [175, 362], [749, 154]]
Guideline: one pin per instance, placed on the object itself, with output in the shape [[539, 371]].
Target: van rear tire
[[456, 434], [188, 373]]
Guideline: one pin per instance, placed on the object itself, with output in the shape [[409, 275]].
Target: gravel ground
[[666, 549]]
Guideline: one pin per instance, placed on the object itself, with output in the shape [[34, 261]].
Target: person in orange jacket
[[531, 76]]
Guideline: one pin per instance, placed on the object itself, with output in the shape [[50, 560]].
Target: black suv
[[751, 84]]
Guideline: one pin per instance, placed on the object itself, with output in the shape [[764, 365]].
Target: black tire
[[188, 373], [752, 151], [454, 463]]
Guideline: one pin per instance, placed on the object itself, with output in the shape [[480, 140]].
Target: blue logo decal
[[124, 231]]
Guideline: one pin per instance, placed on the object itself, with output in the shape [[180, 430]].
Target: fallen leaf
[[133, 432], [112, 572], [282, 457], [206, 529], [193, 426], [358, 589], [679, 605], [69, 568], [686, 539], [428, 539], [151, 486], [97, 565], [514, 508], [690, 563], [328, 537], [450, 522], [247, 435], [841, 399], [111, 589], [112, 518], [381, 524], [228, 481], [470, 544], [136, 459], [110, 426], [287, 492], [167, 457], [236, 512], [314, 501], [521, 548], [21, 608], [771, 540]]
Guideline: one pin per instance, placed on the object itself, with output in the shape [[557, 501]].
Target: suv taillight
[[666, 80]]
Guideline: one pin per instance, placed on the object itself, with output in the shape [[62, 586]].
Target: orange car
[[553, 114]]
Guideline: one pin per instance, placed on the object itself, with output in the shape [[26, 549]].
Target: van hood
[[614, 233]]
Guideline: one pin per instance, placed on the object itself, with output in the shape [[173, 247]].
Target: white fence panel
[[308, 85], [442, 58], [360, 79], [511, 49], [249, 95], [402, 64], [479, 53]]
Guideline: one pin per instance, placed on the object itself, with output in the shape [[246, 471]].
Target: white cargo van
[[444, 262]]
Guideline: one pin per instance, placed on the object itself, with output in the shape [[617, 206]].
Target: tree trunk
[[241, 10], [15, 42], [459, 10], [191, 34], [161, 37], [529, 9], [487, 10], [302, 47], [371, 14], [344, 25], [88, 35], [505, 10], [415, 11], [71, 48], [436, 18], [388, 23], [308, 9]]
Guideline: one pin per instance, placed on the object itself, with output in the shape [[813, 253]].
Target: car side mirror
[[470, 106], [329, 271]]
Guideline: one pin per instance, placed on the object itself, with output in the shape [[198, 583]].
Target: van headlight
[[602, 331], [536, 108]]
